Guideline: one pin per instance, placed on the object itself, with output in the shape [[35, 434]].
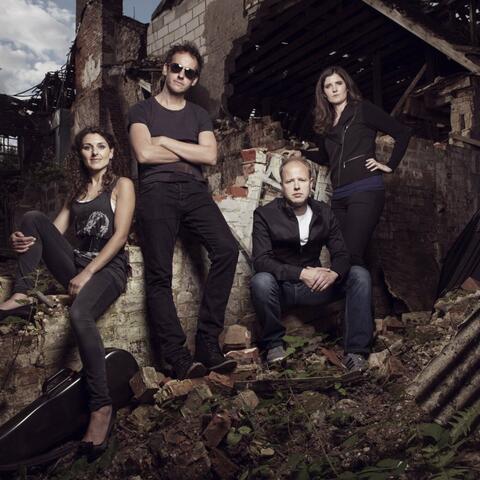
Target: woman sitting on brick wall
[[100, 208], [347, 126]]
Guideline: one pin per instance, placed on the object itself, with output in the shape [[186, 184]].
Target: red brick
[[249, 155], [236, 191]]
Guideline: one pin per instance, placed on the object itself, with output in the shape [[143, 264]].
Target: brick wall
[[430, 198]]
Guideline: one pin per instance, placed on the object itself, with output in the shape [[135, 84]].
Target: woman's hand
[[20, 243], [78, 282], [291, 153], [373, 165]]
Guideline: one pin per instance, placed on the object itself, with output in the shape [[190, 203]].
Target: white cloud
[[35, 37]]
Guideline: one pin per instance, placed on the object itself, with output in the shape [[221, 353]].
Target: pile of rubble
[[305, 419]]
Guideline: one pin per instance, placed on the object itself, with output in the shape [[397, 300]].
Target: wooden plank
[[298, 385], [461, 138], [409, 90], [425, 34]]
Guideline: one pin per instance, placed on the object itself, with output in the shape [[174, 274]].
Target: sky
[[36, 35]]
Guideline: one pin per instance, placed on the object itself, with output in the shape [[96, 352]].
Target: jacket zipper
[[343, 144]]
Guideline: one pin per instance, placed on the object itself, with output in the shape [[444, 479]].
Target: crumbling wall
[[106, 44], [430, 198]]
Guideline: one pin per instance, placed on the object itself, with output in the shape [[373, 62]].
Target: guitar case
[[43, 430]]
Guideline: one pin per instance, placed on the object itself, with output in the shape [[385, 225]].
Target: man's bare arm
[[146, 150], [204, 153]]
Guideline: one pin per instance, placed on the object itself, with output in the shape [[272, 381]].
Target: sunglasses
[[190, 73]]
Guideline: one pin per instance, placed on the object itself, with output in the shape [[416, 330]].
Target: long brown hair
[[80, 178], [324, 111]]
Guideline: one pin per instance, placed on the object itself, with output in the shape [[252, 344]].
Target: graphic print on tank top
[[96, 225]]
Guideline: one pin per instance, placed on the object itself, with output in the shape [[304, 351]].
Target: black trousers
[[162, 208], [358, 215], [93, 300]]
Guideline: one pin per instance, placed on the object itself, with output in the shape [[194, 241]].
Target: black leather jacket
[[351, 142], [276, 241]]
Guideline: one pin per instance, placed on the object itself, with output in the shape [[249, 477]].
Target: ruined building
[[262, 60]]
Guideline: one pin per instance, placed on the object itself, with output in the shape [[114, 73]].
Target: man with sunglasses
[[171, 139]]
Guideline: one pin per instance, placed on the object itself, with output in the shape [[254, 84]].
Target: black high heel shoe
[[91, 451], [22, 311]]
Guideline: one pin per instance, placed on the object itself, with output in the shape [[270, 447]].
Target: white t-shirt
[[304, 225]]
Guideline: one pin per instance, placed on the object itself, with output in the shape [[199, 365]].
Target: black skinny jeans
[[93, 300], [358, 215], [162, 207]]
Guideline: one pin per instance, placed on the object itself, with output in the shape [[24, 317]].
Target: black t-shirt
[[183, 125]]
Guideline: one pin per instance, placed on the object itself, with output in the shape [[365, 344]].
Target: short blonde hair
[[301, 160]]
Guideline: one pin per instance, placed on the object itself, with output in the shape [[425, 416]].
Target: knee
[[359, 278], [77, 318], [33, 218], [262, 284], [227, 251]]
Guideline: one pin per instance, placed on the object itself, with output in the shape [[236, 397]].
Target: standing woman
[[347, 127], [101, 209]]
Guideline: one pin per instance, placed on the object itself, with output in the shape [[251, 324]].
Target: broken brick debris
[[145, 383], [222, 465], [246, 372], [217, 429], [195, 399], [246, 356], [176, 389], [237, 337], [387, 324], [220, 383], [246, 399], [332, 357]]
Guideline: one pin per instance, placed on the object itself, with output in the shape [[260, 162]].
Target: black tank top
[[93, 223]]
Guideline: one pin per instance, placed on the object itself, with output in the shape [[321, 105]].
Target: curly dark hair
[[324, 111], [80, 178], [185, 47]]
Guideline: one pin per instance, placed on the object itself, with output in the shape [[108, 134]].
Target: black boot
[[208, 352], [185, 367]]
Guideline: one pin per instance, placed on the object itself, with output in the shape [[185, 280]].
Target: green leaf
[[233, 438], [244, 430], [432, 430], [295, 342], [351, 441]]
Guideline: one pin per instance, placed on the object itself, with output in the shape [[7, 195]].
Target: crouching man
[[288, 235]]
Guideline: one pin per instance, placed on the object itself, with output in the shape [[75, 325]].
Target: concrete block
[[186, 17], [200, 8], [173, 25]]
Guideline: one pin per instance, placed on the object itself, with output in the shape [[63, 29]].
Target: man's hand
[[318, 279], [20, 243], [78, 282]]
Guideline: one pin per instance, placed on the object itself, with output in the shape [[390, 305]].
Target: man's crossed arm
[[157, 150]]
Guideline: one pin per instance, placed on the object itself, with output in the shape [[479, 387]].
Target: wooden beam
[[461, 138], [298, 385], [319, 46], [409, 90], [272, 58], [425, 34]]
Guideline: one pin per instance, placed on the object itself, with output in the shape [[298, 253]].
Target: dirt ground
[[330, 425]]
